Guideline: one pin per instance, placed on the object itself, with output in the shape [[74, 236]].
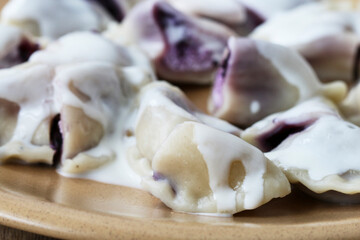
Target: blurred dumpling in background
[[66, 16], [231, 13], [326, 33], [87, 47], [182, 48]]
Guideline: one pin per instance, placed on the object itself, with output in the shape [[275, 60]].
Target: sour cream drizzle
[[318, 20], [68, 16], [330, 146], [219, 153]]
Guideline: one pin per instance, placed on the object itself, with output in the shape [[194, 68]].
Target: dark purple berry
[[56, 139], [281, 131]]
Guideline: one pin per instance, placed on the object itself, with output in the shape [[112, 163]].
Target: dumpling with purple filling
[[15, 47], [198, 166], [314, 147], [78, 114], [66, 16], [183, 48], [326, 33], [232, 13], [258, 78]]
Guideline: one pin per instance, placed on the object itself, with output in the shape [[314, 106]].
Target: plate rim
[[43, 217]]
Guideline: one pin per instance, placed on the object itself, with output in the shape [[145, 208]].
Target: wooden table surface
[[15, 234]]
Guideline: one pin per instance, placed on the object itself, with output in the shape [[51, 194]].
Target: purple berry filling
[[20, 55], [254, 18], [185, 48], [26, 49], [356, 65], [281, 131], [217, 93], [56, 139], [160, 177], [112, 7]]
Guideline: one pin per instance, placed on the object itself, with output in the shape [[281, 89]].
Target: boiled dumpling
[[66, 16], [326, 33], [258, 78], [313, 145], [183, 48], [26, 107], [193, 166]]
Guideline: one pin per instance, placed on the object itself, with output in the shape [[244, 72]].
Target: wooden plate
[[37, 199]]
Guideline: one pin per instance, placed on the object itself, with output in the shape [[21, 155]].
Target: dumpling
[[164, 107], [326, 33], [314, 146], [183, 48], [66, 16], [91, 47], [68, 109], [195, 167], [26, 113], [94, 101], [232, 13], [15, 47], [258, 78]]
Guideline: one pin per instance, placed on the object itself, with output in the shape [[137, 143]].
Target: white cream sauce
[[66, 16], [219, 152], [82, 47], [116, 112], [86, 47], [307, 23], [30, 88], [118, 171], [328, 147]]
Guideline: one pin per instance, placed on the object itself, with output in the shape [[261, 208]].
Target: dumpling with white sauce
[[26, 100], [314, 147], [66, 16], [87, 47], [232, 13], [183, 48], [73, 113], [94, 101], [326, 33], [199, 166], [259, 78]]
